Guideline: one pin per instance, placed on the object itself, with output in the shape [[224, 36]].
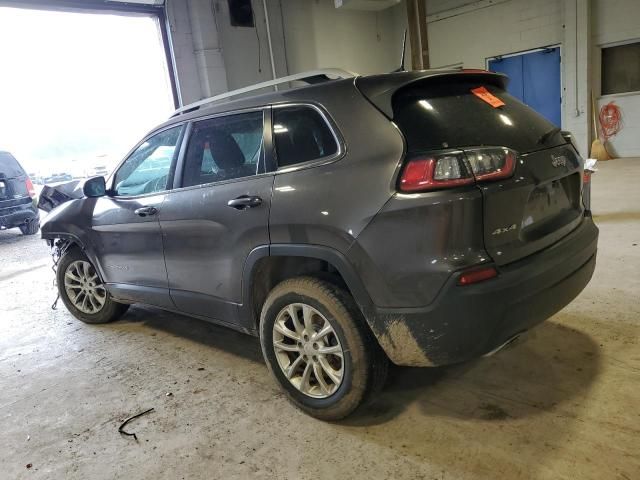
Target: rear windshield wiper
[[547, 135]]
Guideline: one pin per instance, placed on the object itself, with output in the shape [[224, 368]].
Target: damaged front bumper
[[466, 322]]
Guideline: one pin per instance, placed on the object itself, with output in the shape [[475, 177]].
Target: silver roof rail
[[312, 76]]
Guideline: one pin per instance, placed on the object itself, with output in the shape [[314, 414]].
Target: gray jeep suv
[[425, 218]]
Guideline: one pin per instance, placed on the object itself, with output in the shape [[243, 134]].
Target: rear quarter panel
[[330, 204], [416, 242]]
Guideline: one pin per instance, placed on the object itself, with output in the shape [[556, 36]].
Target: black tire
[[110, 311], [364, 363], [30, 228]]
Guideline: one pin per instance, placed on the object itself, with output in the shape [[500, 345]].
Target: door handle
[[145, 211], [244, 202]]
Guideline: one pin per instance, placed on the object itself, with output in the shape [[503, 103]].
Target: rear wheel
[[319, 348], [83, 292], [31, 227]]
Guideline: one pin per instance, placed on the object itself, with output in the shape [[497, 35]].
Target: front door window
[[147, 168]]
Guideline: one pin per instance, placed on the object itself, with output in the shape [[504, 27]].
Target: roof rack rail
[[311, 77]]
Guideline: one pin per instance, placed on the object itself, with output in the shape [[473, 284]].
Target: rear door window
[[301, 134], [9, 166], [224, 148], [451, 116]]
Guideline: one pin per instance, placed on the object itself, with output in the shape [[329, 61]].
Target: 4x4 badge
[[500, 231]]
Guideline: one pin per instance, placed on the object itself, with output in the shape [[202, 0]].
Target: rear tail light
[[477, 275], [455, 168], [434, 172], [587, 177], [491, 163], [30, 189]]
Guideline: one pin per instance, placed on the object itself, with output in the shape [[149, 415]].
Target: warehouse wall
[[211, 56], [615, 22], [319, 35], [468, 33], [472, 32]]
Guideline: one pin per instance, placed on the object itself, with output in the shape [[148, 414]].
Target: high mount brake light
[[450, 169]]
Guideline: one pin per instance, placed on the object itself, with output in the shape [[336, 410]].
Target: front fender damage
[[55, 195]]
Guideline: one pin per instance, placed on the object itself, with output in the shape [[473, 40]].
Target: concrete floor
[[562, 405]]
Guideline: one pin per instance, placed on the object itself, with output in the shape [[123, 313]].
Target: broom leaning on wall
[[598, 150]]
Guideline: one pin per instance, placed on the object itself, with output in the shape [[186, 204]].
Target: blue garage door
[[534, 79]]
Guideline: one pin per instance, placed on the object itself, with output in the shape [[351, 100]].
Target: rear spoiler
[[380, 89]]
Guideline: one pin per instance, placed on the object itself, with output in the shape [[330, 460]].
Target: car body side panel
[[207, 243], [330, 204], [464, 322], [126, 249], [407, 253], [129, 247], [72, 221]]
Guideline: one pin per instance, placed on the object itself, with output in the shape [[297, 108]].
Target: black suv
[[17, 197], [425, 218]]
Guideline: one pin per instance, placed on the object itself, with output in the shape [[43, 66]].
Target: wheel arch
[[268, 265], [77, 242]]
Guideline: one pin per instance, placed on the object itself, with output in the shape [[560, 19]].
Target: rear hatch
[[14, 188], [540, 202]]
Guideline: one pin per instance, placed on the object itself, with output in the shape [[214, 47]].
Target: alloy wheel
[[84, 288], [308, 350]]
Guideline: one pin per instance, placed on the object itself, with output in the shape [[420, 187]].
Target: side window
[[223, 148], [147, 168], [301, 134]]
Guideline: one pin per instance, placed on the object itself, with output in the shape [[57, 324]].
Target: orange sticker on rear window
[[483, 94]]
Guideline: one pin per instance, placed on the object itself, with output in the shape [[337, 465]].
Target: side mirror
[[94, 187]]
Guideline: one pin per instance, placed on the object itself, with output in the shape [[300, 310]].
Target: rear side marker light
[[30, 189], [478, 275], [449, 169]]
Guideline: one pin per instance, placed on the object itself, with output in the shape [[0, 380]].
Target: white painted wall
[[617, 21], [211, 56], [320, 36], [480, 30]]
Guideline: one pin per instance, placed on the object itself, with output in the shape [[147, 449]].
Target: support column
[[189, 89], [206, 47], [417, 22], [576, 72]]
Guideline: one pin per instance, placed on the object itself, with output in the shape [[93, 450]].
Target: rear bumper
[[15, 216], [467, 322]]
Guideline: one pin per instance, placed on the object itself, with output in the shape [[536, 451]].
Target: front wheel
[[83, 292], [319, 348]]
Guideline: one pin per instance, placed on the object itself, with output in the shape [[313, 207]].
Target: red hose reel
[[610, 118]]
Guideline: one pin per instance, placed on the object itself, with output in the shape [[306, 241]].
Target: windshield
[[450, 115]]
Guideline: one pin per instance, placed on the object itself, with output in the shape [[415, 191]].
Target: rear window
[[451, 116], [9, 166], [301, 135]]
